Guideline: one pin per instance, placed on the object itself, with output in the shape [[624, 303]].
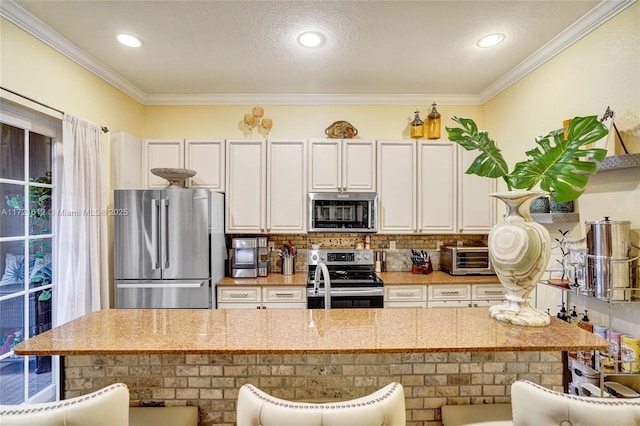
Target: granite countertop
[[389, 278], [436, 277], [288, 331]]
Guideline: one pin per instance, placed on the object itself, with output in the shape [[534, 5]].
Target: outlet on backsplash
[[392, 245]]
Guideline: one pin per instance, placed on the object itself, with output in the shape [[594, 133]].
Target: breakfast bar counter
[[202, 357], [295, 331]]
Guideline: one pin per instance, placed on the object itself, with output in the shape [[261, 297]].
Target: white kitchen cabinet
[[278, 297], [246, 196], [396, 182], [342, 165], [262, 297], [249, 297], [487, 294], [161, 153], [437, 187], [205, 156], [266, 186], [287, 186], [449, 296], [126, 161], [405, 296], [449, 292], [476, 210]]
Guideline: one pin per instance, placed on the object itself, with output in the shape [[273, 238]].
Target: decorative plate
[[341, 130]]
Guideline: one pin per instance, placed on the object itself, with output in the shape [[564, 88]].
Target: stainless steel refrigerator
[[169, 248]]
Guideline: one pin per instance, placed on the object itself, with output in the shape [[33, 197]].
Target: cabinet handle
[[406, 293], [239, 295], [469, 305], [258, 307], [494, 292], [450, 293], [264, 307], [284, 294]]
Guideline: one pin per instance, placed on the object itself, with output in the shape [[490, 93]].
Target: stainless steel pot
[[608, 266]]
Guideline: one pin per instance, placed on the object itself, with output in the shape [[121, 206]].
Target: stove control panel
[[341, 257]]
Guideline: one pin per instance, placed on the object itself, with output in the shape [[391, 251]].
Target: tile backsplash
[[398, 259]]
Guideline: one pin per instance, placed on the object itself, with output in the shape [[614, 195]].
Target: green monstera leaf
[[489, 162], [560, 166]]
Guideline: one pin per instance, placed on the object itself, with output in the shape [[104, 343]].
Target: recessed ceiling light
[[311, 39], [490, 40], [129, 40]]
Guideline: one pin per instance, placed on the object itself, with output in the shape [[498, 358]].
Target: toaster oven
[[461, 260]]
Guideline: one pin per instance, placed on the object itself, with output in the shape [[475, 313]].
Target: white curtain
[[81, 240]]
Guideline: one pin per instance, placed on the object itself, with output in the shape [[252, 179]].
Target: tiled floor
[[12, 381]]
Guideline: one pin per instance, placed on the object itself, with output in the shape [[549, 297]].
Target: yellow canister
[[630, 351]]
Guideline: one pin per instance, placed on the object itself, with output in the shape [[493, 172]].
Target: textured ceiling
[[248, 47]]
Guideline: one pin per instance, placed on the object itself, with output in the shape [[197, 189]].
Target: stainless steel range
[[352, 280]]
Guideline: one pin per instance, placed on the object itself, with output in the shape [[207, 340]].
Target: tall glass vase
[[519, 249]]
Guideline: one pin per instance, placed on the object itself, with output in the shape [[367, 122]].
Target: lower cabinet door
[[448, 304], [239, 298], [417, 304]]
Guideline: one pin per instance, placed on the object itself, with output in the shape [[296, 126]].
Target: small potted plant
[[563, 244]]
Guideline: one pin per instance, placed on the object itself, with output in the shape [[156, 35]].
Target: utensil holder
[[288, 266]]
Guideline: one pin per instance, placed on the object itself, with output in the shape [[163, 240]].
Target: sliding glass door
[[27, 284]]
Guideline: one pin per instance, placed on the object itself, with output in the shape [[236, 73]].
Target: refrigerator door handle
[[161, 284], [154, 234], [164, 234]]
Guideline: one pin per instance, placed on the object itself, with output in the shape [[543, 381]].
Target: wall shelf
[[616, 162], [555, 217]]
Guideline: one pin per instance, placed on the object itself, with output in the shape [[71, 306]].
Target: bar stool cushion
[[385, 407]]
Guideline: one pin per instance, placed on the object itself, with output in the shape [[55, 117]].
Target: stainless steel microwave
[[342, 212]]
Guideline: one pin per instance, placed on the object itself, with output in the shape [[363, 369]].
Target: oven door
[[361, 299]]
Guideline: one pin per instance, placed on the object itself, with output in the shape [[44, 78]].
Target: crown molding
[[312, 99], [597, 16], [604, 11]]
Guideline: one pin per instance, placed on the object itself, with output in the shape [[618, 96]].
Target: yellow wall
[[302, 121], [600, 70], [33, 69]]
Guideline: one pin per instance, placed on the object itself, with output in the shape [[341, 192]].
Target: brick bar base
[[211, 382]]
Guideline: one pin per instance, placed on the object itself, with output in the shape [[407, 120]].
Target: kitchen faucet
[[327, 283]]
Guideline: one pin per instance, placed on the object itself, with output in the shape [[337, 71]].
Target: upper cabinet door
[[397, 186], [161, 153], [126, 161], [207, 157], [246, 191], [338, 165], [359, 165], [476, 210], [437, 187], [286, 185], [325, 165]]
